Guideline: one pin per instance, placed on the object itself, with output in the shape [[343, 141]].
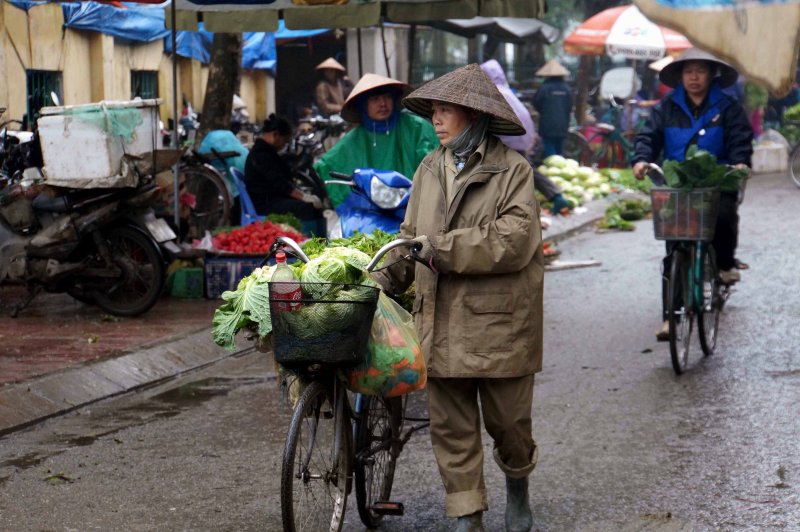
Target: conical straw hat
[[469, 87], [670, 75], [552, 69], [366, 84], [331, 63]]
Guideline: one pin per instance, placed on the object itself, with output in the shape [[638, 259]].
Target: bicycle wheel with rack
[[679, 311], [316, 461], [612, 153], [210, 206], [708, 318], [377, 447], [794, 165]]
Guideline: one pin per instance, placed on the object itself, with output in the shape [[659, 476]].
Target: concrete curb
[[25, 403]]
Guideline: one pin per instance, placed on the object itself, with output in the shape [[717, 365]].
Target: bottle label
[[289, 298]]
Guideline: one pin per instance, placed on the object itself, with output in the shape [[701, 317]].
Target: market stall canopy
[[263, 15], [624, 31], [759, 37], [505, 29]]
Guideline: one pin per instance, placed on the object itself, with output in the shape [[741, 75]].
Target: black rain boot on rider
[[470, 523], [518, 508]]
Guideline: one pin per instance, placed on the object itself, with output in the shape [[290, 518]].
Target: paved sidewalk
[[60, 354]]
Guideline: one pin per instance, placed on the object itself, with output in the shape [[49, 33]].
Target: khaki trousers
[[456, 434]]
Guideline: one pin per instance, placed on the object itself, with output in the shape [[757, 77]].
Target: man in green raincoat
[[385, 137]]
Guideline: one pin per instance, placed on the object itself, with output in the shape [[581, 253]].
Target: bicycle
[[606, 145], [794, 161], [330, 444], [687, 220]]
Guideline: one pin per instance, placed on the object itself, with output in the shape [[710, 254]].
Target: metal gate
[[40, 84]]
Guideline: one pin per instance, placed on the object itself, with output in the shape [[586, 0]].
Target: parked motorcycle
[[378, 201], [101, 246]]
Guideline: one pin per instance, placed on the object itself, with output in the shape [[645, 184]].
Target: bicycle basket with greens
[[686, 209]]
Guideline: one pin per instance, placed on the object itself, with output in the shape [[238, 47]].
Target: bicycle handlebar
[[289, 243]]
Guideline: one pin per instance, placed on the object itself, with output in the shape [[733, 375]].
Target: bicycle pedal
[[387, 508]]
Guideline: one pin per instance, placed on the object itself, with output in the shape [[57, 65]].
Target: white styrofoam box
[[80, 154], [770, 158]]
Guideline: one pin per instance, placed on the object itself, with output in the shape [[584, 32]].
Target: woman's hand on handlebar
[[640, 170]]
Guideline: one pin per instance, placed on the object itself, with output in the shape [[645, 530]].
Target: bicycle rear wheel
[[680, 318], [577, 147], [708, 319], [316, 462], [377, 448], [794, 165], [212, 202]]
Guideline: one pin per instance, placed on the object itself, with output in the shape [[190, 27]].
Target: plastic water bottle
[[288, 290]]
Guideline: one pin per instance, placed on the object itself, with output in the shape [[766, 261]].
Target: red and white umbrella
[[624, 31]]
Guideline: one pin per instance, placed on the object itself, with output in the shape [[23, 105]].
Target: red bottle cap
[[280, 256]]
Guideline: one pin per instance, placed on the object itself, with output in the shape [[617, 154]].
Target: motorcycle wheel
[[141, 269]]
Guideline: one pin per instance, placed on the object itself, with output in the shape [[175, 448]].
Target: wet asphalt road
[[624, 443]]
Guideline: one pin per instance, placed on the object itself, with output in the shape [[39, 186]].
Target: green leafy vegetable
[[700, 170], [286, 219]]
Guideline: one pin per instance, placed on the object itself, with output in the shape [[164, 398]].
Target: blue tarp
[[136, 23], [144, 23]]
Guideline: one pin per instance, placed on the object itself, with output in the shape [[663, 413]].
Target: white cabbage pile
[[579, 184]]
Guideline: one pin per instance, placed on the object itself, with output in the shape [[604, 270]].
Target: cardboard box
[[223, 272]]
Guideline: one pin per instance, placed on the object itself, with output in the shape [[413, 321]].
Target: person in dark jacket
[[268, 177], [697, 112], [553, 102]]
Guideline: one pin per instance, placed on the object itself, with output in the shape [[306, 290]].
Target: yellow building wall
[[97, 67]]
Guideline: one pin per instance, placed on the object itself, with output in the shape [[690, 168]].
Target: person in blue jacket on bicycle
[[698, 112]]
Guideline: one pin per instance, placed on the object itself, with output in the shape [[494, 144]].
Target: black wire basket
[[321, 323], [684, 214]]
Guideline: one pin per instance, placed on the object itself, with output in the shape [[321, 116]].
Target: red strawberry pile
[[253, 239]]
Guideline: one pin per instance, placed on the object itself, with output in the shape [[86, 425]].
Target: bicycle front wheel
[[377, 448], [794, 165], [316, 462], [708, 319], [678, 310]]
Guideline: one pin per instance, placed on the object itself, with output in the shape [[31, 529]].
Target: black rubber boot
[[470, 523], [518, 509]]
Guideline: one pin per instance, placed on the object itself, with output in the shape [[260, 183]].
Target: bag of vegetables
[[395, 365]]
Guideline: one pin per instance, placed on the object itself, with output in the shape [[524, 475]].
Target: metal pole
[[360, 60], [176, 168]]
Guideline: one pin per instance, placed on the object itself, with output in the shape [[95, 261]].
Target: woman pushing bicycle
[[697, 112], [478, 309]]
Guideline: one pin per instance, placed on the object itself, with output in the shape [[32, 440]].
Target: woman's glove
[[559, 204], [313, 200]]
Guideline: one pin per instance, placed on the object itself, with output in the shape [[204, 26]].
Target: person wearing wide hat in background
[[384, 137], [698, 112], [553, 101], [478, 308], [330, 91]]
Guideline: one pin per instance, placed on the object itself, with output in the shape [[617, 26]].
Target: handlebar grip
[[339, 175], [416, 247]]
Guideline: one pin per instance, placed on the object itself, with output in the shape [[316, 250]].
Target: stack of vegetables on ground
[[253, 239], [581, 184]]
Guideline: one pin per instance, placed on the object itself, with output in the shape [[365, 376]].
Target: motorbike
[[378, 201], [101, 246]]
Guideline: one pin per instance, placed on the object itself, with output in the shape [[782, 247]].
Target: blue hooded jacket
[[721, 128]]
